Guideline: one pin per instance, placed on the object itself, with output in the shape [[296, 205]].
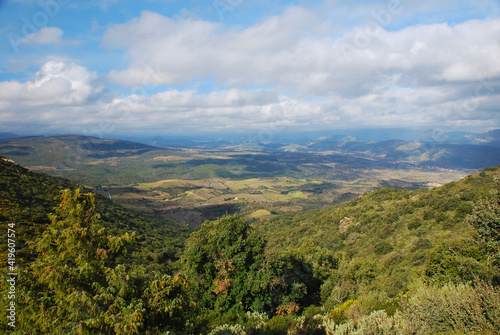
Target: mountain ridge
[[73, 149]]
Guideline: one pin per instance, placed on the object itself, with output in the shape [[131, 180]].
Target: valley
[[194, 201], [188, 185]]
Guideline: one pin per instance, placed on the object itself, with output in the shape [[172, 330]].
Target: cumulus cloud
[[65, 96], [180, 50], [46, 35], [283, 51], [232, 108], [414, 75], [61, 97], [57, 83]]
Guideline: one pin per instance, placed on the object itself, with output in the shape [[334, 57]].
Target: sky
[[161, 67]]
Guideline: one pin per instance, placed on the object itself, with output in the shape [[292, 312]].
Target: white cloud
[[46, 35], [231, 109], [52, 36], [57, 83], [417, 75], [179, 51], [286, 53]]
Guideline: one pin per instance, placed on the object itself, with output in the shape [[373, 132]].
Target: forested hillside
[[383, 241], [390, 262], [27, 198]]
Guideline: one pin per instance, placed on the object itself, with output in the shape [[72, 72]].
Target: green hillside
[[26, 198], [389, 262], [84, 159], [71, 149], [382, 242]]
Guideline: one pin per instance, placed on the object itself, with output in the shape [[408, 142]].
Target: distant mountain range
[[57, 147], [4, 136], [278, 140], [491, 138], [427, 149]]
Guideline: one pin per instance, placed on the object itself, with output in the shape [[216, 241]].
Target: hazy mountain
[[270, 139], [491, 138], [4, 136], [72, 149]]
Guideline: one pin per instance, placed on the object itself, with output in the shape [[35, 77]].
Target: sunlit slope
[[381, 242]]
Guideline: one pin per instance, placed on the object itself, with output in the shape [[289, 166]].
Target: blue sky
[[115, 67]]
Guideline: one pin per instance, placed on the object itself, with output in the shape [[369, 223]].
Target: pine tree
[[79, 284]]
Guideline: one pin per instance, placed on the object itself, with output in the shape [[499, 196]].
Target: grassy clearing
[[260, 214], [285, 194], [298, 195], [251, 193]]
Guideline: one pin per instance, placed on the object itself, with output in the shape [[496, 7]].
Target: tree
[[230, 272], [486, 219], [79, 283]]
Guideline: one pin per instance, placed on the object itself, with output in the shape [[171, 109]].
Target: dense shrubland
[[390, 262]]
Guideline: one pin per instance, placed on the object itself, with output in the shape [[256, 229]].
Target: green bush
[[461, 308], [451, 309], [280, 324], [78, 285], [383, 247], [229, 330]]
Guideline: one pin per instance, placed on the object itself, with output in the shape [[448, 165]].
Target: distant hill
[[67, 155], [4, 136], [71, 147], [491, 138], [283, 139], [422, 148], [422, 154], [94, 161]]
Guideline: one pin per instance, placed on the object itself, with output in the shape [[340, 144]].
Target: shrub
[[280, 324], [453, 308], [462, 308], [228, 330], [383, 248]]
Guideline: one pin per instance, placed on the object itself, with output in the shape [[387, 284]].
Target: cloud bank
[[298, 70]]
